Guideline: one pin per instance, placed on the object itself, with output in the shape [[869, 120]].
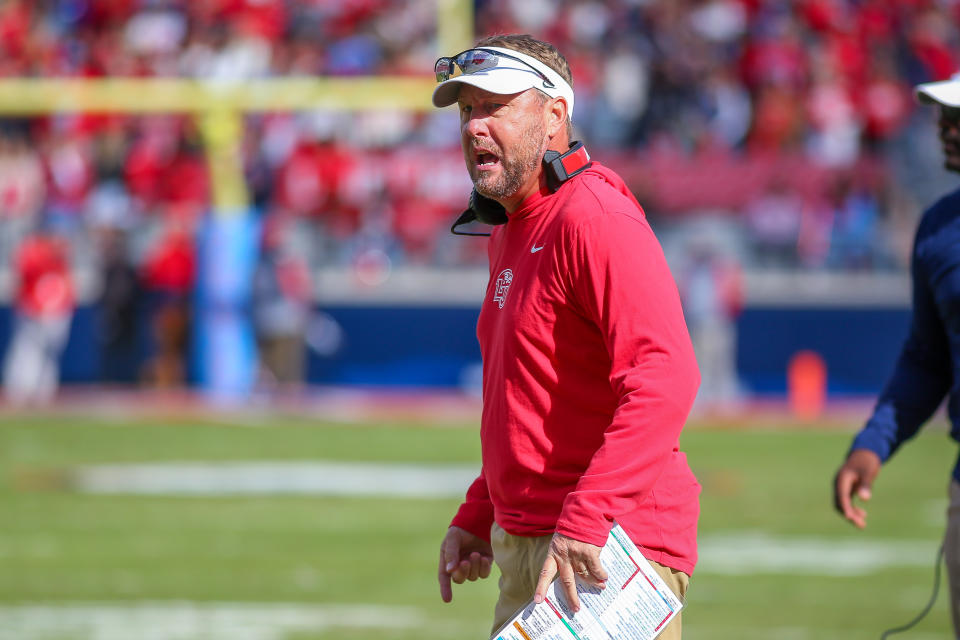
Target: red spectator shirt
[[588, 377], [46, 287], [172, 265]]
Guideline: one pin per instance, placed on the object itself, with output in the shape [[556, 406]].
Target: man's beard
[[951, 155], [950, 142], [515, 169]]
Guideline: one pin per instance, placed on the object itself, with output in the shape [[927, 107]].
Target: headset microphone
[[480, 209], [557, 167]]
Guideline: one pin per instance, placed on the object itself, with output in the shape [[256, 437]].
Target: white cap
[[945, 92], [508, 77]]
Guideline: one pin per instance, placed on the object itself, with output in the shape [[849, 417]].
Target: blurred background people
[[791, 124], [23, 185], [119, 306], [282, 299], [749, 97], [169, 276], [711, 290], [44, 303]]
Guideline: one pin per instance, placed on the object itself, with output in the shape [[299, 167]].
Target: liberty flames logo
[[502, 286]]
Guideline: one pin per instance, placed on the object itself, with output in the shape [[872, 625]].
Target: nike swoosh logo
[[535, 248]]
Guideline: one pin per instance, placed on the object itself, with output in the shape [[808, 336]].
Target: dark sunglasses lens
[[443, 69], [950, 113], [476, 60]]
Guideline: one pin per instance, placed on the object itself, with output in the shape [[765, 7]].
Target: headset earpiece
[[560, 168]]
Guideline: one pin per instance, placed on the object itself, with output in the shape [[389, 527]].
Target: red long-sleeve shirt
[[588, 377]]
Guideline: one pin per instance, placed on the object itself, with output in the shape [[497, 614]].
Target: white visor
[[506, 78], [945, 92]]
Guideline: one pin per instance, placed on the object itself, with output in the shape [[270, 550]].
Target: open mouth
[[486, 160]]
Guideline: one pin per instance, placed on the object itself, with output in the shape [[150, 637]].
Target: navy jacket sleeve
[[922, 375]]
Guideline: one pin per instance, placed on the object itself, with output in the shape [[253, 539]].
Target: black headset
[[558, 169]]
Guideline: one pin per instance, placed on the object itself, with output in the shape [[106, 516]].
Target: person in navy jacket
[[929, 364]]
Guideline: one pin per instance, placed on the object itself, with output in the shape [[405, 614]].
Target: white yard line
[[754, 553], [729, 553], [193, 621], [245, 478]]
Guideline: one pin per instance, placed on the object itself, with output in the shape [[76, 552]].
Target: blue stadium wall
[[436, 346]]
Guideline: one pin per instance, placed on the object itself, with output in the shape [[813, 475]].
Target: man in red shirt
[[588, 371]]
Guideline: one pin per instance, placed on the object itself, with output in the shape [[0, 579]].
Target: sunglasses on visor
[[474, 60]]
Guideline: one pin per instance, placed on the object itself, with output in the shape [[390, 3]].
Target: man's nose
[[476, 125]]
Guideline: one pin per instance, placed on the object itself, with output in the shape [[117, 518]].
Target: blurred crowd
[[795, 120], [791, 122], [765, 134]]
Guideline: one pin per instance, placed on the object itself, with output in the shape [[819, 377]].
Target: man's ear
[[556, 116]]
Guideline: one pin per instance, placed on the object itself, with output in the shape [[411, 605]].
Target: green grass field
[[774, 555]]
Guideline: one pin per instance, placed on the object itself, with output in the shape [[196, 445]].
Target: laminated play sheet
[[636, 604]]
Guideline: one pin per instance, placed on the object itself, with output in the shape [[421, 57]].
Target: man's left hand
[[569, 559]]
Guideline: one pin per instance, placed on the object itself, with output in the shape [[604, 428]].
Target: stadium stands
[[726, 106]]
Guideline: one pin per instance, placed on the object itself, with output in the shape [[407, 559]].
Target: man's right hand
[[855, 477], [463, 556]]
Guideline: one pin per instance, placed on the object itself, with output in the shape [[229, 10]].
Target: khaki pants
[[520, 560], [951, 553]]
